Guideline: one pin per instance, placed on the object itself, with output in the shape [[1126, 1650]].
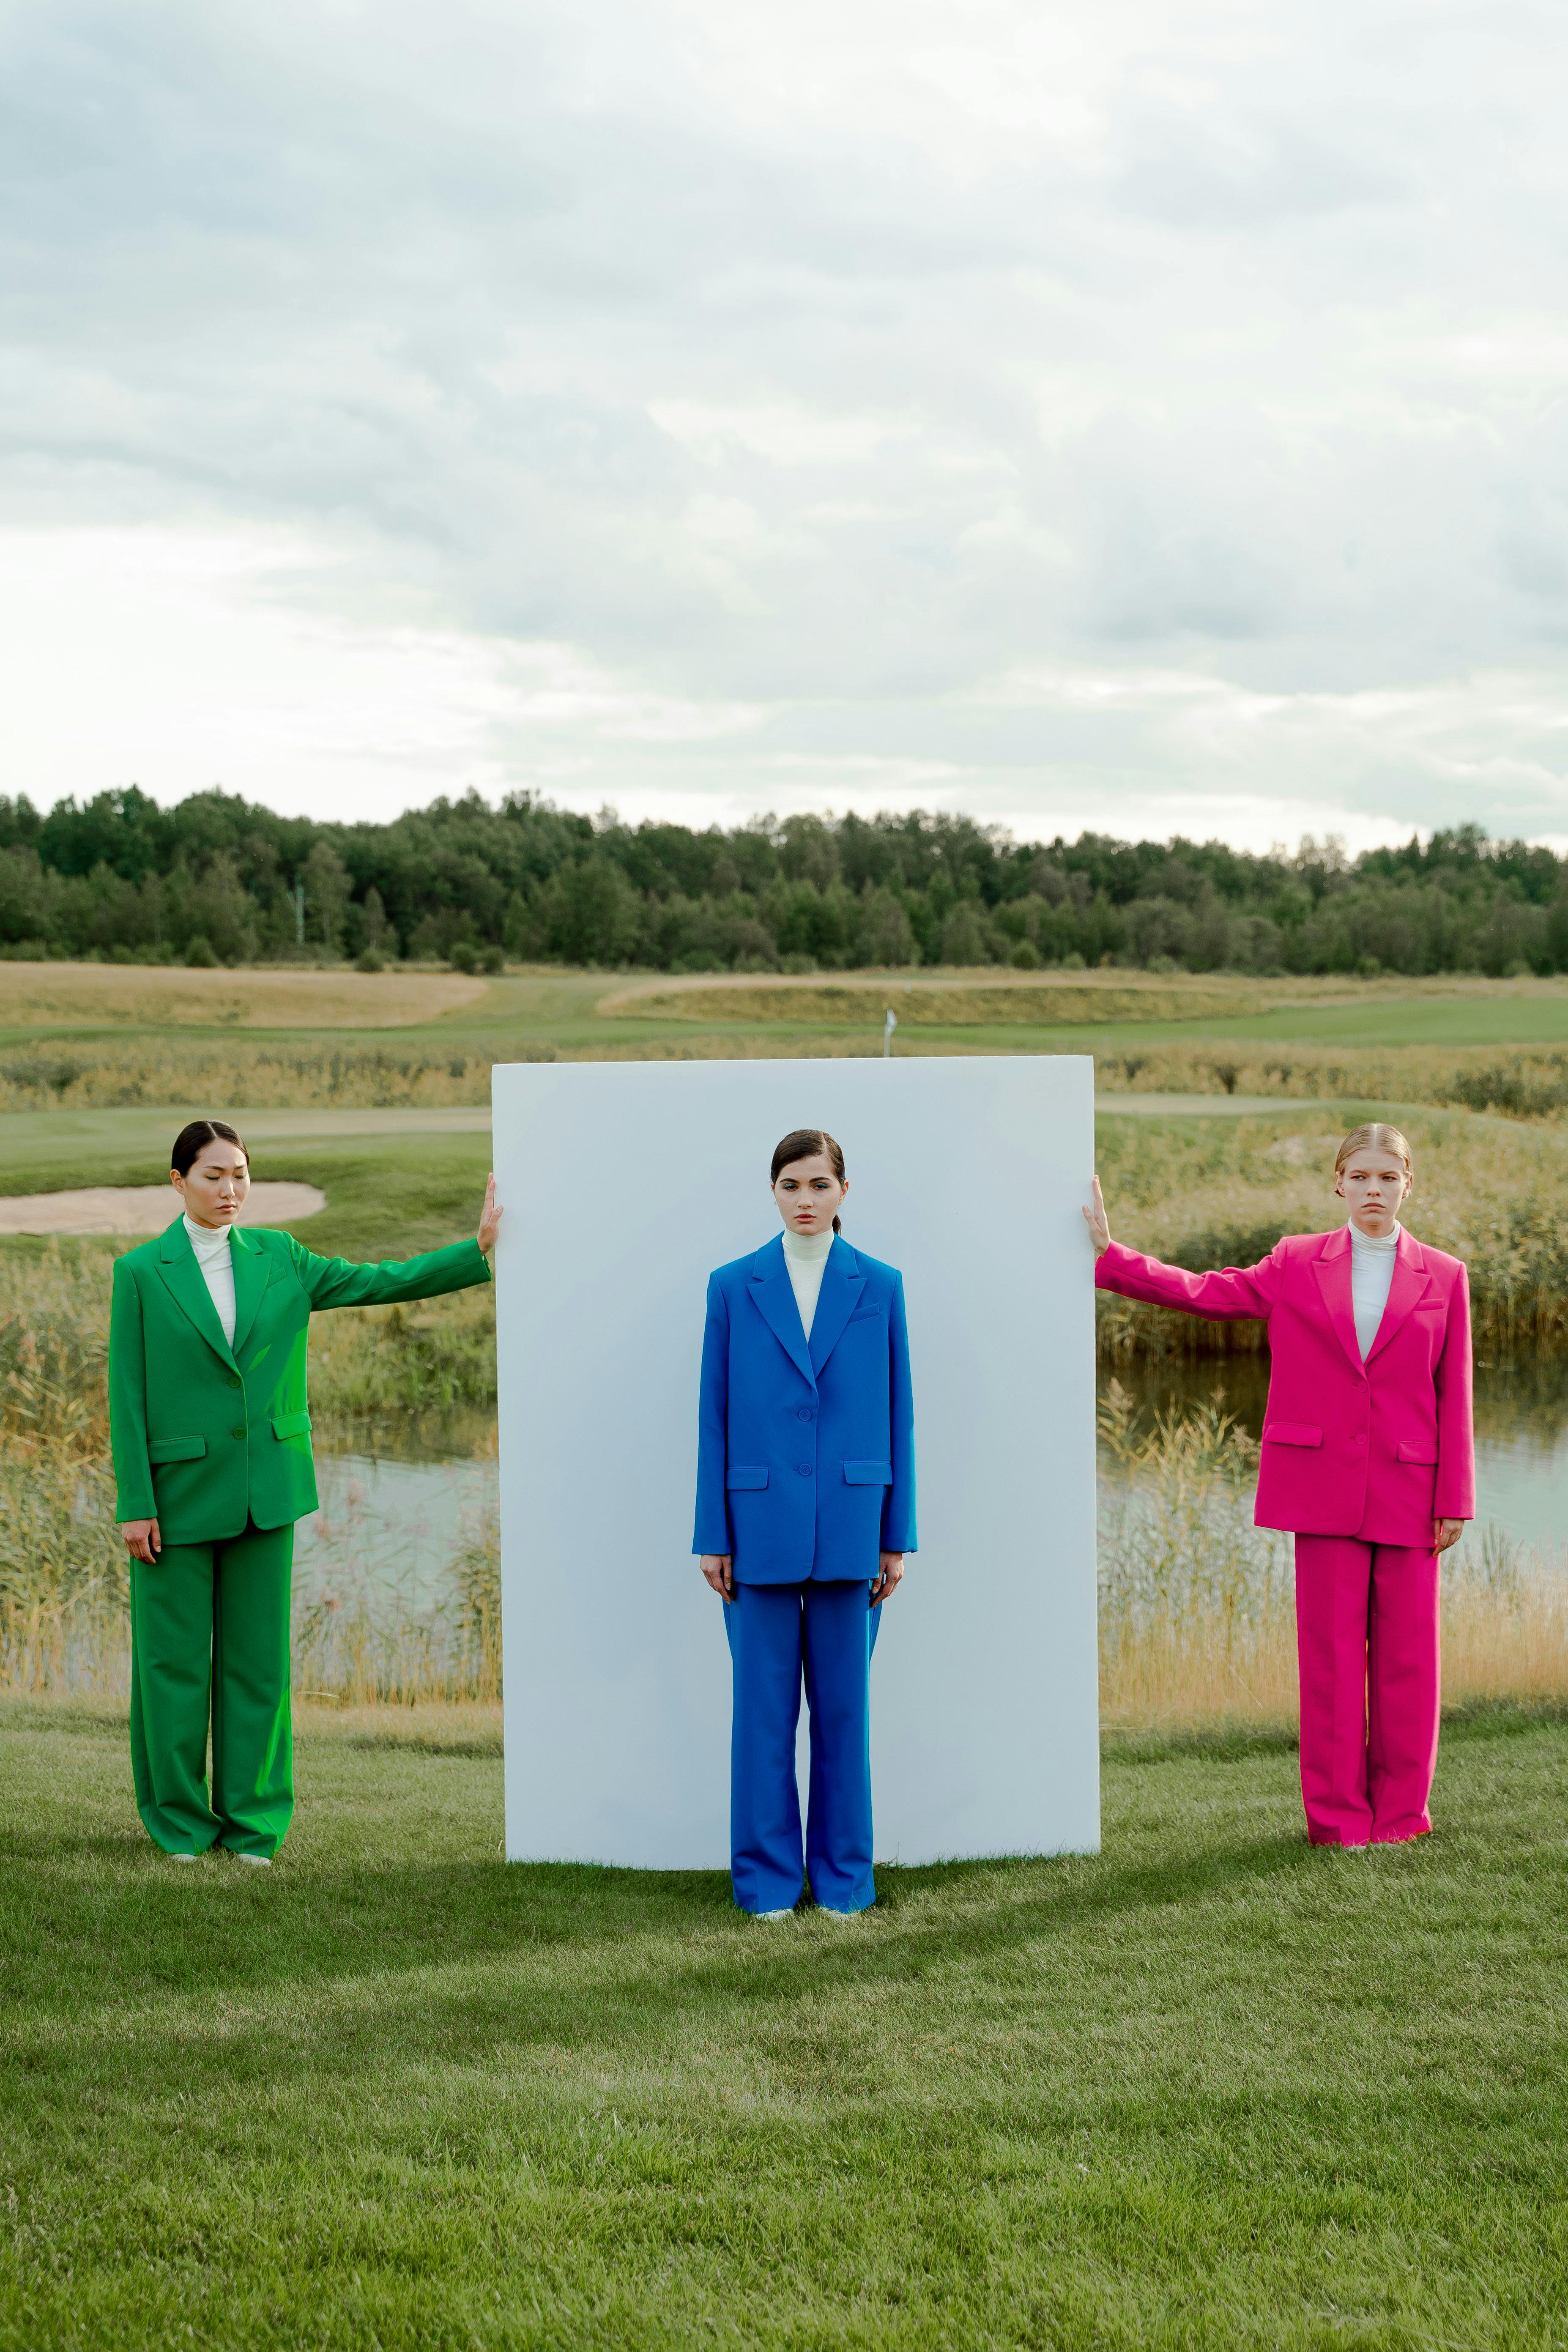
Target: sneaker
[[788, 1914], [262, 1860], [181, 1857]]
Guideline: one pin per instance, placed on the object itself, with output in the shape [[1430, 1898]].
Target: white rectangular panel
[[625, 1184]]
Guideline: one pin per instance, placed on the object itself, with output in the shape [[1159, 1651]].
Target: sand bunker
[[143, 1209]]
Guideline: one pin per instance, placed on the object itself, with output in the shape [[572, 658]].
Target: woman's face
[[1373, 1185], [808, 1194], [217, 1183]]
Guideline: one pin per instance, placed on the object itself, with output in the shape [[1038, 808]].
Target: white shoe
[[1360, 1848], [262, 1860], [825, 1911], [774, 1915], [181, 1857]]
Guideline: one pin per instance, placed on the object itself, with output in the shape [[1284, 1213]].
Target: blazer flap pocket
[[864, 1314], [1418, 1449], [746, 1474], [175, 1449], [1292, 1432], [291, 1425], [867, 1474]]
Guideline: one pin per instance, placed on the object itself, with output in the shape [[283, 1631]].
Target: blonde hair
[[1377, 1135]]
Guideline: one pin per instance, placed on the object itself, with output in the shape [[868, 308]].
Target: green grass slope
[[1209, 2089]]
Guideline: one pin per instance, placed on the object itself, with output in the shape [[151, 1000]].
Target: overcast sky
[[1142, 417]]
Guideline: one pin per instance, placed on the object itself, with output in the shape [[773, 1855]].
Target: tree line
[[220, 880]]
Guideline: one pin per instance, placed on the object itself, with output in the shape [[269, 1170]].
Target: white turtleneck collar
[[1372, 1278], [1360, 1241], [808, 1249], [215, 1259], [805, 1263]]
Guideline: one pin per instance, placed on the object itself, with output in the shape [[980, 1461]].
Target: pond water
[[1521, 1431], [401, 1501]]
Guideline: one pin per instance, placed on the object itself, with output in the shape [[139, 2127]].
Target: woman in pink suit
[[1367, 1459]]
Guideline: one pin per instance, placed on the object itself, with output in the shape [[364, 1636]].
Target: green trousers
[[209, 1642]]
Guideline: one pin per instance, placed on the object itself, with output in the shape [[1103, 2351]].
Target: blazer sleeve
[[128, 1399], [335, 1282], [898, 1530], [1454, 1497], [1236, 1291], [711, 1533]]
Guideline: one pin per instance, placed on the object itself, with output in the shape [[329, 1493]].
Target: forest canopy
[[220, 880]]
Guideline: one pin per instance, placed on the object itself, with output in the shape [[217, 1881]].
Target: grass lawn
[[1212, 2088]]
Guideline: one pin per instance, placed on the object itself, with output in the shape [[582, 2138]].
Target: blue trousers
[[780, 1633]]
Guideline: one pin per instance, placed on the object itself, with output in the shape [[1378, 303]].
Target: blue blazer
[[805, 1457]]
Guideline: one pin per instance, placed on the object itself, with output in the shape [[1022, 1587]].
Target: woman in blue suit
[[806, 1507]]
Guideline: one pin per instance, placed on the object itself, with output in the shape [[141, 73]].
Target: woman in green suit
[[211, 1438]]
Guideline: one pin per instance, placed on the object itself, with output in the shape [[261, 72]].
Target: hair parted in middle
[[193, 1141], [1377, 1135], [808, 1143]]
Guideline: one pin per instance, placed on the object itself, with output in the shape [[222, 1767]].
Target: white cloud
[[1150, 416]]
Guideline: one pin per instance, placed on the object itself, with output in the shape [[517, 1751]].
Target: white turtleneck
[[1372, 1274], [806, 1257], [216, 1262]]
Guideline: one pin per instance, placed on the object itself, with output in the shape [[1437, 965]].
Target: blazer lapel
[[843, 1288], [186, 1282], [1332, 1269], [252, 1273], [770, 1287], [1409, 1286]]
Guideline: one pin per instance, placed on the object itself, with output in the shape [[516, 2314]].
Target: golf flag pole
[[888, 1025]]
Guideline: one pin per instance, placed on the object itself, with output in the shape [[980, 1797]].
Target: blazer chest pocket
[[1292, 1432], [291, 1425], [746, 1474], [1418, 1449], [867, 1315], [867, 1474], [175, 1449]]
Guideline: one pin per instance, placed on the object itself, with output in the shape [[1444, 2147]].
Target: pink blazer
[[1377, 1450]]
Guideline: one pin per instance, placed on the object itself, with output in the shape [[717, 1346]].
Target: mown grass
[[51, 995], [1477, 1042], [1212, 2088]]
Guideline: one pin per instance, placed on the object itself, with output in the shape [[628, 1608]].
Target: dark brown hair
[[193, 1141], [806, 1143]]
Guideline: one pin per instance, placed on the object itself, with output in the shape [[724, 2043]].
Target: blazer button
[[237, 1433], [804, 1469], [1358, 1439], [234, 1380], [802, 1414]]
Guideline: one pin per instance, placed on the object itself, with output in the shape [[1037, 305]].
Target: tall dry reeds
[[373, 1631], [1197, 1604]]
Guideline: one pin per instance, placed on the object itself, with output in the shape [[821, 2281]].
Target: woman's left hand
[[1445, 1532], [489, 1218], [891, 1575]]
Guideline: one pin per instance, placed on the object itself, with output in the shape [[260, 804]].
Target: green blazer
[[205, 1437]]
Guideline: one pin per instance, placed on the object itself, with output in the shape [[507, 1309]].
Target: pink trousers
[[1366, 1640]]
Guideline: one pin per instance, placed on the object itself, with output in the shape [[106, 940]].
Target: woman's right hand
[[1098, 1224], [717, 1569], [141, 1539]]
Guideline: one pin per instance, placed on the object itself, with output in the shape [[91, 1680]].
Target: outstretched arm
[[337, 1282], [1234, 1291]]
